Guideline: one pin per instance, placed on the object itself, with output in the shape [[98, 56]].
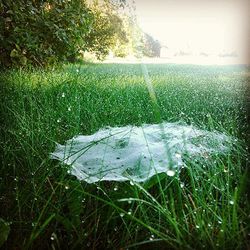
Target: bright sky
[[212, 27]]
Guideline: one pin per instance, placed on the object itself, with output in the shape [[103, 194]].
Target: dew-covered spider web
[[137, 153]]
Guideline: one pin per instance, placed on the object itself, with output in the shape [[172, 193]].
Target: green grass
[[203, 206]]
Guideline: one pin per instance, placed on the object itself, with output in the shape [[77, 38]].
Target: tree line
[[44, 32]]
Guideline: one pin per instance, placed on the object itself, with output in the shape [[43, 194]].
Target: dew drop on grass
[[177, 155], [151, 237], [170, 172], [122, 214], [63, 95], [182, 185], [115, 188], [129, 201], [197, 226], [66, 187], [231, 202]]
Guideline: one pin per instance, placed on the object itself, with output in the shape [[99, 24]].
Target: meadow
[[205, 205]]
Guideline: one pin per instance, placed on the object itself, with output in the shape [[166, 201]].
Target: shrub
[[42, 32]]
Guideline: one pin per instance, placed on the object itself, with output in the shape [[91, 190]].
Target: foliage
[[138, 42], [4, 231], [107, 29], [151, 47], [135, 43], [42, 32]]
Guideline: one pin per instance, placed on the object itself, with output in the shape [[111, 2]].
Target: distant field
[[203, 206]]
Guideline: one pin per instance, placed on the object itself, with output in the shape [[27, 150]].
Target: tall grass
[[203, 206]]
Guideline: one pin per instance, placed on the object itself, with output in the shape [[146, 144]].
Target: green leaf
[[38, 232], [154, 180], [4, 231], [14, 53], [23, 60], [10, 12]]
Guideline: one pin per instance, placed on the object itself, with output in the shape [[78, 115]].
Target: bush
[[42, 32]]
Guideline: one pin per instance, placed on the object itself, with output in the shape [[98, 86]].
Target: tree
[[42, 31], [152, 47], [107, 29]]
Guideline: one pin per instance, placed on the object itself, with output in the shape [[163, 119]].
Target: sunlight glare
[[212, 31]]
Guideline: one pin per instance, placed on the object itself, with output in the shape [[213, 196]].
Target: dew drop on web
[[170, 172]]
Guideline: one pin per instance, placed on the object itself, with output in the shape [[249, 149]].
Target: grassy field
[[205, 205]]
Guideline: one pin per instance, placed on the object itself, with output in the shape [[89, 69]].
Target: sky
[[212, 27]]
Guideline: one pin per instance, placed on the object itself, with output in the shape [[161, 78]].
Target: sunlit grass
[[204, 205]]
